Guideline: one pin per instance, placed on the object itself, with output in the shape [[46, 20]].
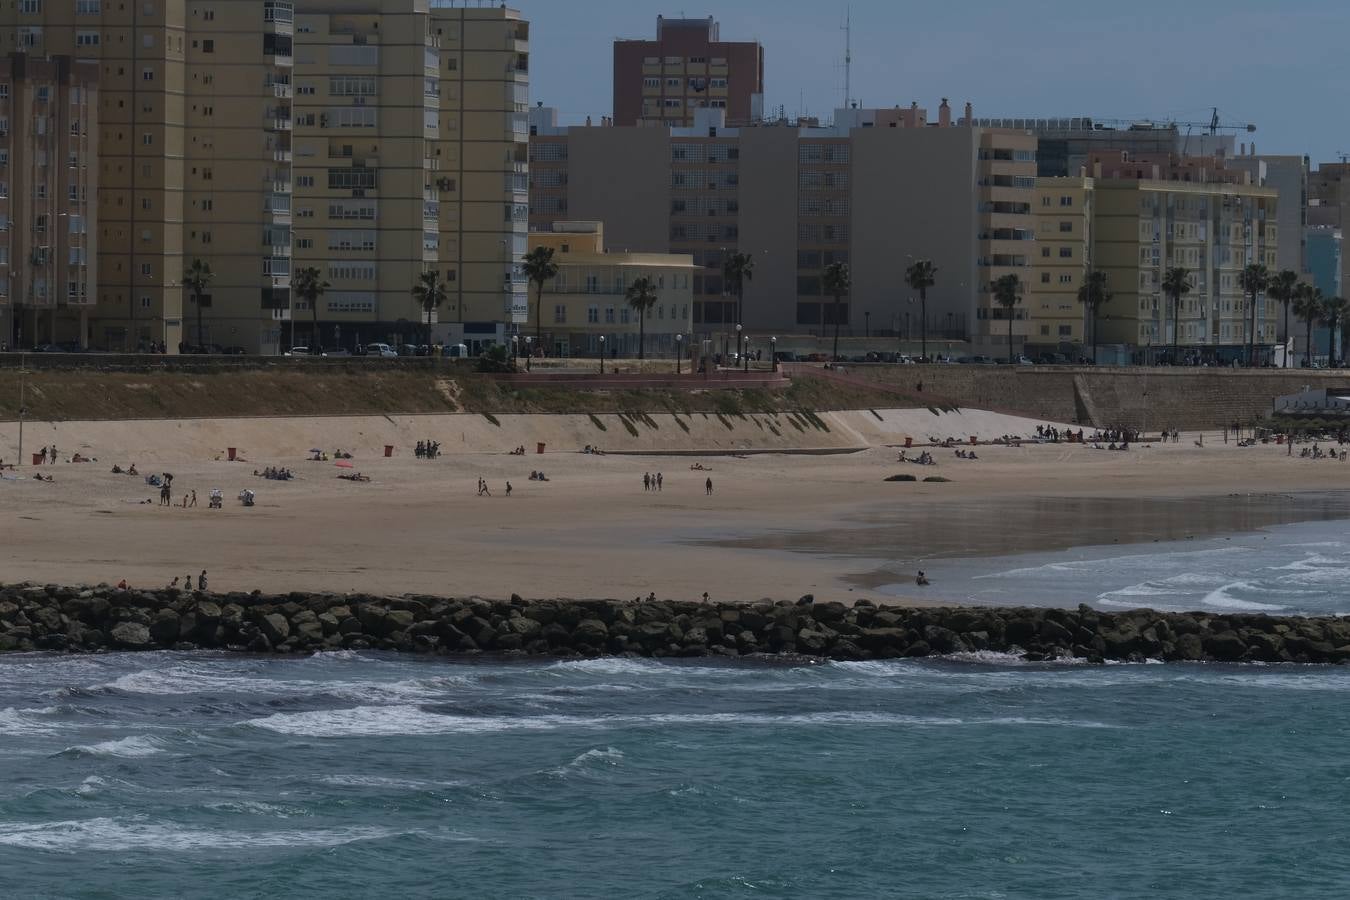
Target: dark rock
[[275, 628], [165, 628]]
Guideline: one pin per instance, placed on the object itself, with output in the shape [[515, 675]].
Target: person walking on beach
[[42, 457], [707, 486], [659, 480], [508, 489], [194, 498], [646, 482], [53, 454]]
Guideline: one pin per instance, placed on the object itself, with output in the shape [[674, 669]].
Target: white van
[[381, 350]]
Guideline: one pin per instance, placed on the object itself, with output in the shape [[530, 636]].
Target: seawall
[[1144, 398], [86, 620]]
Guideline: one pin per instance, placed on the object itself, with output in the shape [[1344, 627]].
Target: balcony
[[279, 124], [278, 187], [282, 91], [281, 156], [281, 251], [278, 12], [276, 267]]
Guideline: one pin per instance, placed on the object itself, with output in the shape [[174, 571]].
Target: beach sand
[[776, 525]]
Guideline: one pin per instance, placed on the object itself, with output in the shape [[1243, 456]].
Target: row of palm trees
[[308, 284]]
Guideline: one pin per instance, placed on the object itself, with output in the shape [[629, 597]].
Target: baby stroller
[[246, 497], [217, 499]]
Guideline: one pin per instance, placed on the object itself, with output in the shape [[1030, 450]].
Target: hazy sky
[[1284, 66]]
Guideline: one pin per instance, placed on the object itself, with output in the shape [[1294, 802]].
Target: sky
[[1281, 66]]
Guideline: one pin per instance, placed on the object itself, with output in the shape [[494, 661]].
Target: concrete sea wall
[[97, 619]]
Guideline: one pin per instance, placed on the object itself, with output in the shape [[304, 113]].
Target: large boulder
[[275, 628], [131, 636], [165, 628]]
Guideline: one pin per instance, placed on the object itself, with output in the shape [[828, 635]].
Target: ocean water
[[365, 775], [1299, 569]]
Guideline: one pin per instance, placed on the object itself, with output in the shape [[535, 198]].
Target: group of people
[[118, 470], [923, 459], [432, 449], [274, 473], [47, 456], [538, 476], [1316, 452], [187, 582], [1054, 435], [1171, 436], [590, 449], [519, 451], [652, 482], [1117, 435], [354, 476], [966, 454]]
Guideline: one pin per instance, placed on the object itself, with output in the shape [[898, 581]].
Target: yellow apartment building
[[372, 139], [1063, 210], [48, 176], [587, 298]]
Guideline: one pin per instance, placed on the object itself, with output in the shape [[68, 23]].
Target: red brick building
[[687, 67]]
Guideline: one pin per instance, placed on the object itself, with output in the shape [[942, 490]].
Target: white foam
[[178, 680], [21, 721], [377, 721], [608, 666], [133, 747], [375, 781], [1222, 599], [109, 834]]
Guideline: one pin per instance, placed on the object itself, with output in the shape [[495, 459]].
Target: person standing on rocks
[[201, 581], [187, 582]]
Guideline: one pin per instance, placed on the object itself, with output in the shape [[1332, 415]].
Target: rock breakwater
[[85, 620]]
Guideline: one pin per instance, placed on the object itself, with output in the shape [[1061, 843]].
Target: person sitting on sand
[[922, 579], [132, 471], [116, 469]]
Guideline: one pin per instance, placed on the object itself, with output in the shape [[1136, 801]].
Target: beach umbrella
[[343, 464]]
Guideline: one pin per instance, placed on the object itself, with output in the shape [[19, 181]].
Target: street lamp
[[515, 348], [529, 350], [679, 347], [738, 338], [747, 353], [773, 354], [867, 324], [602, 354]]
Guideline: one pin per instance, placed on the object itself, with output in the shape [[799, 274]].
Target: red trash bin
[[909, 442], [230, 452], [973, 440], [388, 449], [37, 458], [539, 447]]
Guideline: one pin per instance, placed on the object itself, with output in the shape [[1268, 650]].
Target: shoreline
[[98, 619]]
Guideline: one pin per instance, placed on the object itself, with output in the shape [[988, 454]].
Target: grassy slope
[[89, 395]]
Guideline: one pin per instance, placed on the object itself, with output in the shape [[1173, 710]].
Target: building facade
[[49, 234], [586, 301], [686, 68], [871, 190], [1151, 215], [1064, 216], [370, 139]]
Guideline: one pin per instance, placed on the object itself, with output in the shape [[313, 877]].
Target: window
[[1066, 331], [147, 75], [1045, 252], [208, 46], [1066, 279], [1045, 278], [559, 314], [30, 6], [609, 315], [86, 7], [1066, 253], [145, 270], [1066, 201], [1065, 227], [593, 315], [351, 86], [85, 39]]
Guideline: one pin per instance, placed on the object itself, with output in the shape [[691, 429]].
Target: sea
[[196, 775], [1296, 569]]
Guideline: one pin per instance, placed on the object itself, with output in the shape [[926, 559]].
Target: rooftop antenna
[[848, 56]]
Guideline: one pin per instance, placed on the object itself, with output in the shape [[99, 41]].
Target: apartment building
[[1064, 214], [586, 301], [687, 67], [48, 177], [1153, 214], [875, 189], [372, 139]]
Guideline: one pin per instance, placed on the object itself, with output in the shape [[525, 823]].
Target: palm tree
[[920, 277], [1176, 284], [196, 279], [308, 285], [737, 269], [1308, 307], [1254, 279], [641, 295], [1007, 294], [1282, 287], [430, 293], [540, 268], [1333, 310], [838, 281], [1094, 295]]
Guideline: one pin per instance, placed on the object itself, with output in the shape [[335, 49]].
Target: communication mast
[[848, 57]]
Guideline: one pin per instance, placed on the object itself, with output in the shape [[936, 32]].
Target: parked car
[[48, 348], [336, 351], [297, 351], [381, 350], [455, 351]]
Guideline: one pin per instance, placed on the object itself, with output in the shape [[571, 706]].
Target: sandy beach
[[775, 526]]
